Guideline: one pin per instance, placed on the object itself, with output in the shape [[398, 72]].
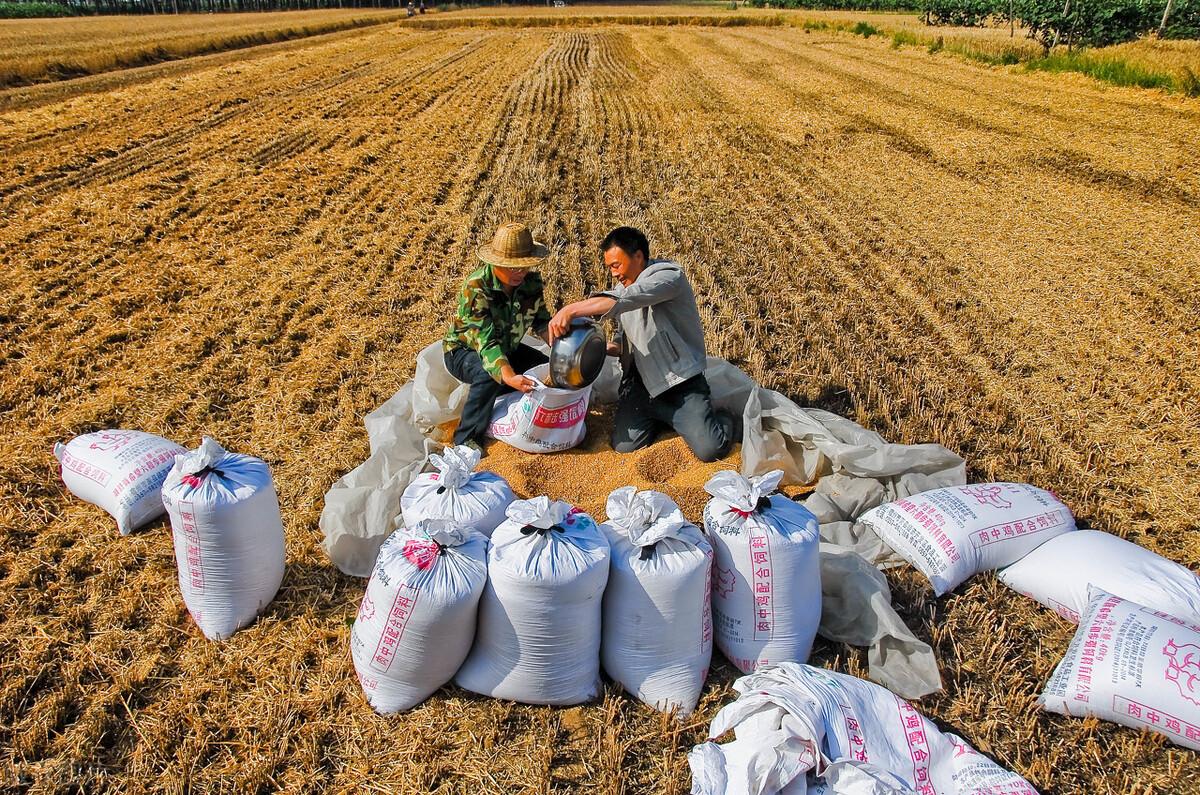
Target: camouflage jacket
[[491, 321]]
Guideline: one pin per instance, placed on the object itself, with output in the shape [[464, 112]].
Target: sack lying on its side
[[119, 471], [1132, 665], [1058, 573], [802, 729], [546, 420], [657, 634], [456, 492], [538, 639], [417, 618], [952, 533], [228, 536], [766, 581]]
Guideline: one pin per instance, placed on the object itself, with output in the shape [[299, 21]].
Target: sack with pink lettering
[[538, 640], [952, 533], [416, 622], [1132, 665], [801, 729], [228, 536], [657, 614], [546, 420], [457, 492], [119, 471], [766, 580], [1059, 572]]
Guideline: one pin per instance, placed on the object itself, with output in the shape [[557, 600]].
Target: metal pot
[[577, 357]]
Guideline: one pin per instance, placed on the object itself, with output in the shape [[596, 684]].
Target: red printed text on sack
[[191, 545], [565, 417], [393, 628]]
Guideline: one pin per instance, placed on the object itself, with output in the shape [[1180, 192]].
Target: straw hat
[[513, 246]]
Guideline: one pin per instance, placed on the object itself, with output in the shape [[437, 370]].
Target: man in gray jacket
[[661, 345]]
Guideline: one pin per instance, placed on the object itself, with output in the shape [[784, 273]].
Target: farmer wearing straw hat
[[661, 348], [498, 303]]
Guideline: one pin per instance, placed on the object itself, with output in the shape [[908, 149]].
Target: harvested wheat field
[[1005, 263], [36, 50]]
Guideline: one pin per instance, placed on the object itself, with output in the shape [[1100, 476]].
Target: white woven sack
[[766, 589], [457, 492], [657, 640], [802, 729], [1132, 665], [546, 420], [417, 619], [538, 639], [228, 536], [952, 533], [1057, 574], [119, 471]]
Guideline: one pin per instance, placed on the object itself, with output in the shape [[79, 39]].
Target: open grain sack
[[119, 471], [1058, 574], [546, 420], [416, 622], [1134, 665], [766, 590], [228, 536], [538, 638], [657, 617], [801, 729], [455, 491], [950, 534]]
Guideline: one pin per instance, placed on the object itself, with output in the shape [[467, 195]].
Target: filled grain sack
[[951, 533], [802, 729], [1058, 573], [119, 471], [1133, 665], [657, 617], [416, 622], [766, 588], [457, 492], [538, 639], [546, 420], [228, 536]]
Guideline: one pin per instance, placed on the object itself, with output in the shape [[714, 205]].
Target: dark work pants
[[686, 407], [466, 365]]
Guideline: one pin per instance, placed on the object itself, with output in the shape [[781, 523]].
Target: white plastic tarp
[[802, 729], [858, 470]]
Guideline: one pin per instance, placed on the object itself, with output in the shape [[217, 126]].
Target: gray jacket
[[660, 326]]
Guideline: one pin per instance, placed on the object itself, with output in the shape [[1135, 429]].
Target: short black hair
[[628, 240]]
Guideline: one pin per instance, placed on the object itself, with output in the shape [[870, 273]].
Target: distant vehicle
[[560, 3]]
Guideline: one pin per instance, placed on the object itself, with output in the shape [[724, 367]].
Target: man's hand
[[612, 349], [520, 383], [560, 324]]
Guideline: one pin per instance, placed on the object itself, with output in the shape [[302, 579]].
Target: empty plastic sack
[[457, 492], [766, 580], [657, 640], [228, 536], [802, 729], [1133, 665], [1058, 574], [416, 622], [951, 533], [538, 639], [119, 471]]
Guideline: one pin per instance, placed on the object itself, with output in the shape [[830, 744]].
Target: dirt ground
[[255, 249]]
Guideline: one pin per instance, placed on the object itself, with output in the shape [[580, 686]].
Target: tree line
[[1089, 23]]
